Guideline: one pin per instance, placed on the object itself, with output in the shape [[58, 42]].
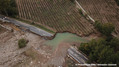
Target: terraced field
[[59, 15], [102, 10]]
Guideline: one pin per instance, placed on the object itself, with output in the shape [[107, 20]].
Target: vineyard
[[102, 10], [59, 15]]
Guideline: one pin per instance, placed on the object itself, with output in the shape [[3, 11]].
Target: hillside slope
[[59, 15], [102, 10]]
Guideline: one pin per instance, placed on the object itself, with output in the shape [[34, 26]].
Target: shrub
[[80, 11], [117, 1], [106, 28], [8, 7], [72, 1], [22, 43], [100, 51]]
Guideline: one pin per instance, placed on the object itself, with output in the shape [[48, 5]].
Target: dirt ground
[[10, 54], [59, 55], [35, 54]]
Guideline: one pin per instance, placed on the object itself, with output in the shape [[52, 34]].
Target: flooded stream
[[65, 37]]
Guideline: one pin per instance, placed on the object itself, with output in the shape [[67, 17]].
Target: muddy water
[[64, 37]]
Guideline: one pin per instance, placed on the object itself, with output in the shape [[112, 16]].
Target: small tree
[[22, 43], [8, 7], [114, 43], [106, 28], [117, 1], [80, 11], [72, 1], [100, 51], [4, 4]]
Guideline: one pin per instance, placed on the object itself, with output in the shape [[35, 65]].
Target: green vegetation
[[102, 51], [37, 25], [22, 43], [106, 28], [8, 7], [80, 11], [72, 1], [44, 28], [117, 1]]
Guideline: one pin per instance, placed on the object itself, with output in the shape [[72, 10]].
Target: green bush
[[117, 1], [72, 1], [80, 11], [8, 7], [100, 51], [106, 28], [22, 43]]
